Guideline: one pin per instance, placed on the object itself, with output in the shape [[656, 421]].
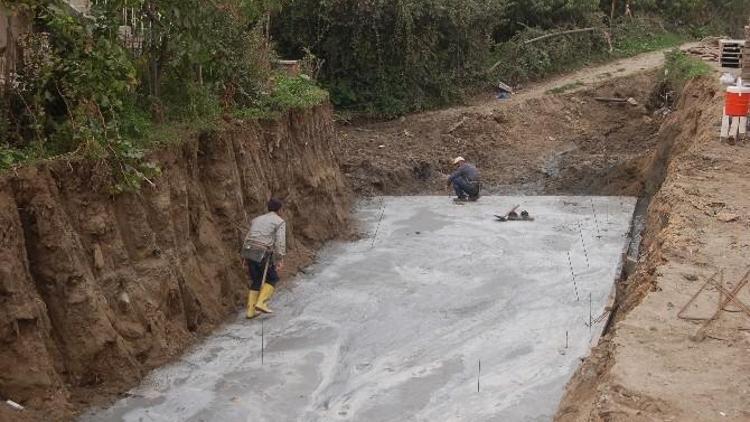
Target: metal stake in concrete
[[591, 316], [262, 342], [583, 244], [377, 228], [573, 275], [479, 374], [566, 339], [596, 220]]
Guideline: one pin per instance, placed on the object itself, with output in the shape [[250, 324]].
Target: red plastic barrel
[[737, 101]]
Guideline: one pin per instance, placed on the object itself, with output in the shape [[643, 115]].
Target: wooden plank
[[734, 129], [743, 127], [725, 127]]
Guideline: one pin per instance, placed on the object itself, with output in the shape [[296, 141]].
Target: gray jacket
[[267, 232]]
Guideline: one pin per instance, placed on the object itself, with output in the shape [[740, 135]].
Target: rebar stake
[[262, 342], [583, 244], [591, 317], [479, 374], [573, 275], [596, 220]]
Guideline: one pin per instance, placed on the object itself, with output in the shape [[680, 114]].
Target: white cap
[[458, 160]]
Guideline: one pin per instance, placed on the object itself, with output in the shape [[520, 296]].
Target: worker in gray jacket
[[465, 181], [263, 250]]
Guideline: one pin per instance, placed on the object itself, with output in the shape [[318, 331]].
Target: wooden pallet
[[731, 53]]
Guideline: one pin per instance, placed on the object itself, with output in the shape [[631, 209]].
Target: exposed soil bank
[[95, 291], [652, 366], [557, 144]]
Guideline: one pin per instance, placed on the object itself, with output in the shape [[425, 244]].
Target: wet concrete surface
[[393, 327]]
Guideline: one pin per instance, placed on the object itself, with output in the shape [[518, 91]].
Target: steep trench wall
[[96, 290], [594, 393]]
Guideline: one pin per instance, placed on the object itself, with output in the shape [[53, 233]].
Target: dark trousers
[[465, 188], [255, 269]]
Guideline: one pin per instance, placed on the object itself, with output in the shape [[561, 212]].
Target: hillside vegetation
[[137, 73], [393, 56]]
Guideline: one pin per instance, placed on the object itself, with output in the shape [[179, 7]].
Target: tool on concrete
[[512, 215], [505, 217]]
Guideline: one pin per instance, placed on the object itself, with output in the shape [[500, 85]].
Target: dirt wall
[[632, 375], [96, 290]]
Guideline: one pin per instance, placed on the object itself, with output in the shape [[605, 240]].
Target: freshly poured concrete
[[392, 327]]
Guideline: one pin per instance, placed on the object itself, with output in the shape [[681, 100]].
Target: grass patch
[[679, 68], [288, 93], [565, 88], [11, 157], [200, 112], [633, 43]]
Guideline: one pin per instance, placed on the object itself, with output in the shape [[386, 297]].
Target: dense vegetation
[[135, 72], [105, 86], [393, 56]]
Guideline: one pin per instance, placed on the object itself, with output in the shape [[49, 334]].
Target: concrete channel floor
[[393, 327]]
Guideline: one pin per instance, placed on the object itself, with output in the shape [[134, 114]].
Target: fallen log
[[556, 34]]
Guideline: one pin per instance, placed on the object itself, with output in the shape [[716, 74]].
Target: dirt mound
[[653, 366], [95, 290], [555, 144]]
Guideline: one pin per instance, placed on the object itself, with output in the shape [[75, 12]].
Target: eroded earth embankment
[[655, 365], [96, 290]]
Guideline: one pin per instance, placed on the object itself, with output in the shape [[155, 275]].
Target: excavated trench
[[407, 338], [563, 145]]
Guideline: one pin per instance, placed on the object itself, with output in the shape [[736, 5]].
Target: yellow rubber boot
[[252, 299], [265, 293]]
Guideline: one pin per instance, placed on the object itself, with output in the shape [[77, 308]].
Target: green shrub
[[287, 93], [515, 61], [679, 68]]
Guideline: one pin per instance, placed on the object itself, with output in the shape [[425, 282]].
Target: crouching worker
[[465, 181], [263, 250]]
